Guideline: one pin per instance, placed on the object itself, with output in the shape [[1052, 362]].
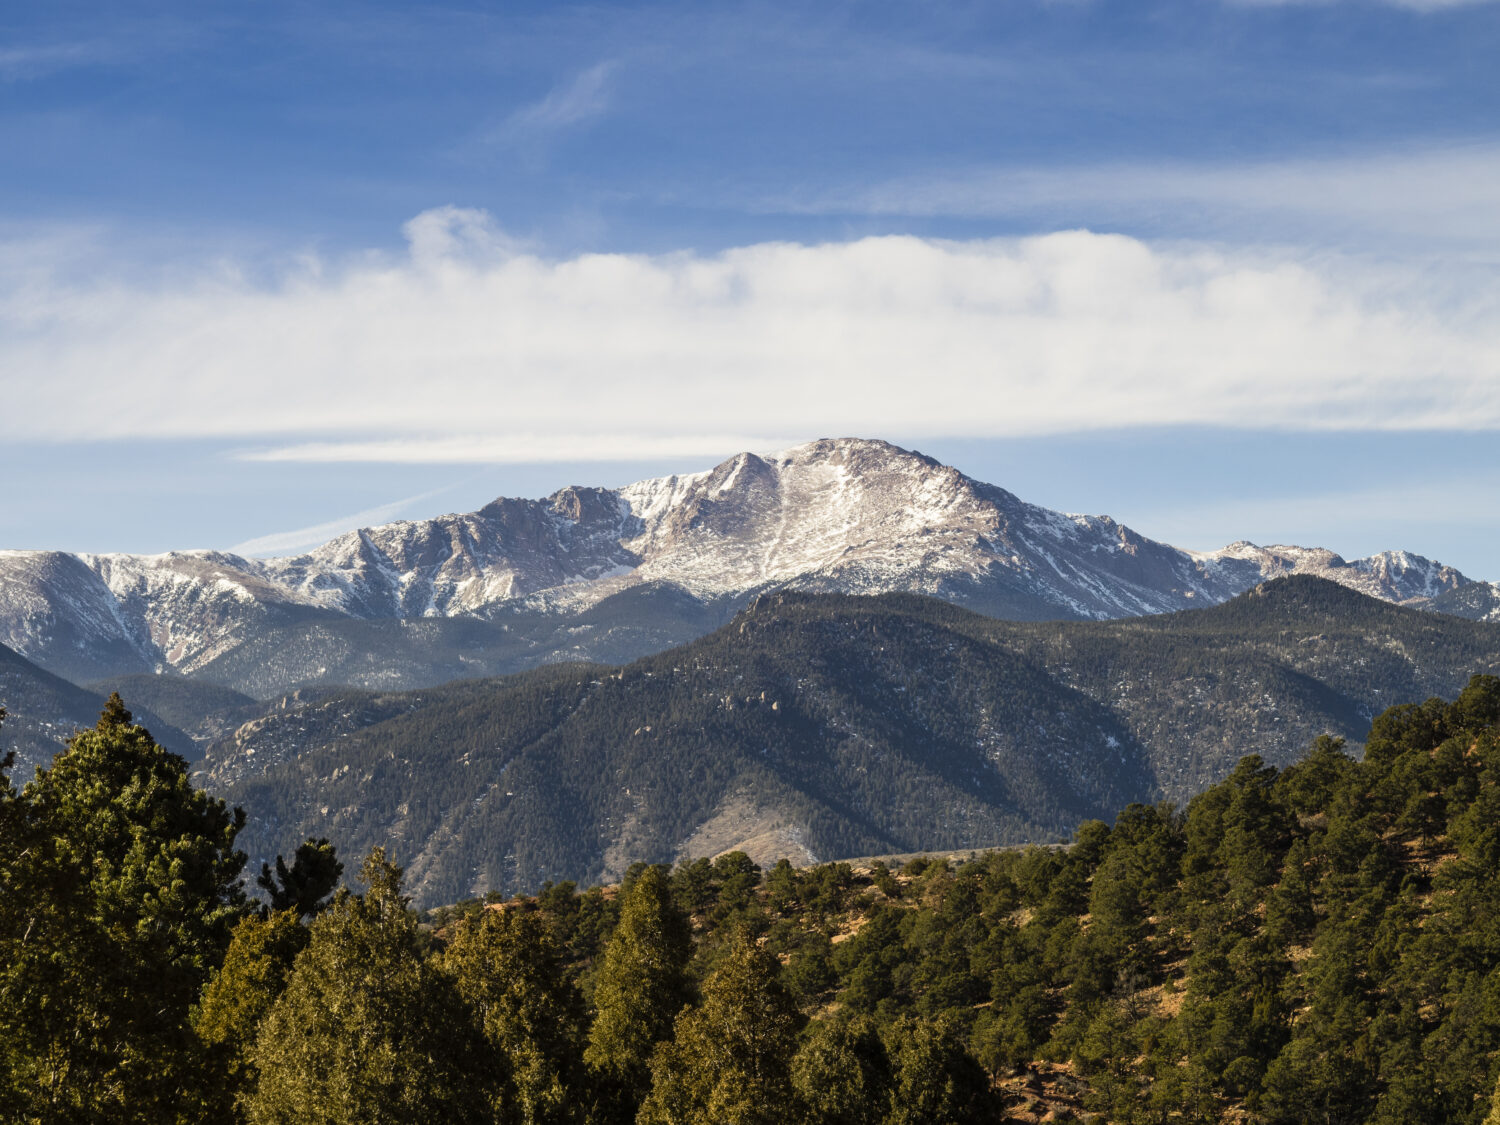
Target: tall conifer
[[117, 908], [367, 1031], [254, 974], [642, 986], [730, 1060], [509, 971]]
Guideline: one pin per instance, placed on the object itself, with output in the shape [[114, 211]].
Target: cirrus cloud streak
[[469, 339]]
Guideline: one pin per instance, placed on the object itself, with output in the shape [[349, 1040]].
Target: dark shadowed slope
[[44, 710]]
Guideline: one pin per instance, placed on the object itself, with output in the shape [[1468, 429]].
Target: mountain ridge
[[836, 515], [817, 725], [44, 710]]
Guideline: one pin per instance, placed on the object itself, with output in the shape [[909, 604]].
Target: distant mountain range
[[818, 726], [610, 575]]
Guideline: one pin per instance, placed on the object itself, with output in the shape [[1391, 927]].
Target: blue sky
[[1222, 270]]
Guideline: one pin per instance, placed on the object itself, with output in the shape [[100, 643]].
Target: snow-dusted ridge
[[850, 515]]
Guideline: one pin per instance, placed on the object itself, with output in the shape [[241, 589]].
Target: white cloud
[[468, 340], [1449, 194], [583, 97], [305, 538], [519, 449], [449, 233]]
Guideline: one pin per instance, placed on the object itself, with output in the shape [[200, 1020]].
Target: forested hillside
[[46, 710], [824, 726], [1312, 944], [895, 735], [204, 711]]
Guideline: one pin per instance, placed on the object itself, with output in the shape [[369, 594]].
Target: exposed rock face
[[58, 609], [845, 515], [455, 565], [866, 517], [1478, 601], [1392, 576]]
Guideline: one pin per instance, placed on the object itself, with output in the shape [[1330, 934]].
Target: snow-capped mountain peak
[[845, 514], [1393, 576]]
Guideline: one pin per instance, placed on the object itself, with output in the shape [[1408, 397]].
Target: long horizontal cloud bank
[[1447, 198], [468, 345]]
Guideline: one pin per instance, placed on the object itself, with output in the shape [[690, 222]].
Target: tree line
[[1319, 943]]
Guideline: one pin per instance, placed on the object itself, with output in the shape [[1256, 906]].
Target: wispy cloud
[[31, 61], [518, 449], [1450, 193], [112, 37], [304, 538], [468, 341], [582, 98]]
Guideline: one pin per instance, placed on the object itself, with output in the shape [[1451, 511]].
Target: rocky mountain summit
[[1391, 576], [845, 516]]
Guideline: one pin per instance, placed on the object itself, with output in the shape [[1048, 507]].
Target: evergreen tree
[[1289, 907], [693, 884], [117, 908], [642, 985], [782, 885], [12, 832], [12, 910], [738, 876], [730, 1060], [841, 1074], [884, 880], [1493, 1117], [307, 886], [1309, 785], [367, 1032], [508, 970], [254, 974], [935, 1081]]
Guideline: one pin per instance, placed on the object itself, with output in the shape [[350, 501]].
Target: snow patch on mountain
[[848, 515], [1393, 576]]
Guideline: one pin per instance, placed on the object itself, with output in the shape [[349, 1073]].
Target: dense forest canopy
[[1319, 943]]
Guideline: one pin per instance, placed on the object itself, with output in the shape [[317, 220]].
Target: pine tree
[[642, 986], [730, 1060], [254, 974], [12, 910], [119, 906], [508, 970], [367, 1032], [307, 886], [935, 1081], [782, 886], [841, 1073]]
